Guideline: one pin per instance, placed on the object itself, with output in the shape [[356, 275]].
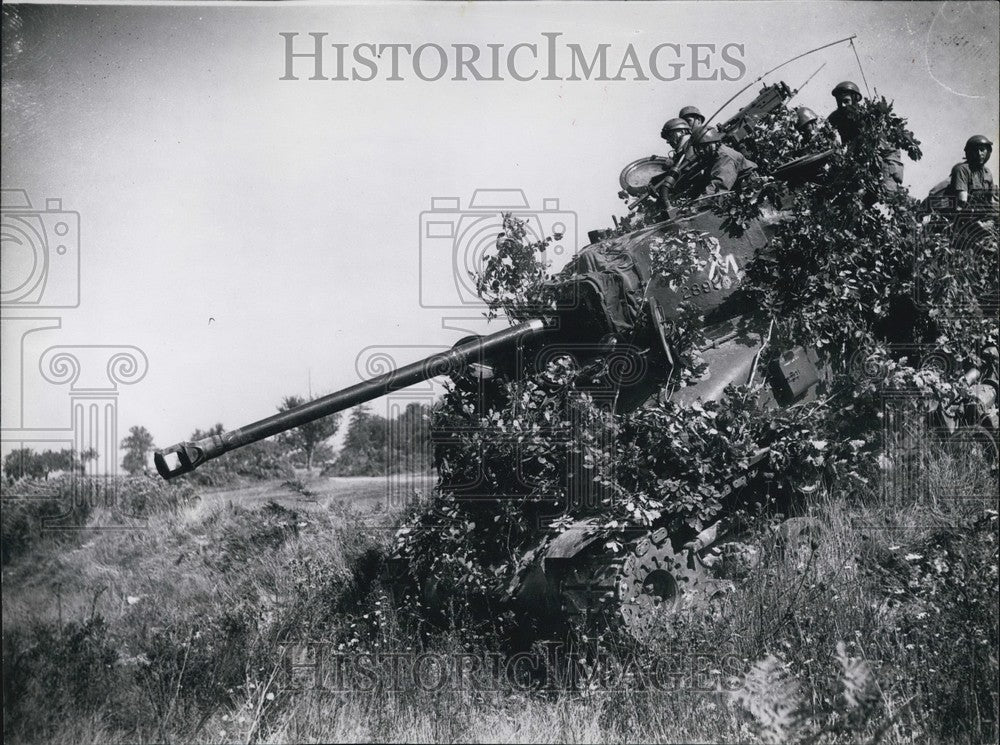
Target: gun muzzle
[[184, 457]]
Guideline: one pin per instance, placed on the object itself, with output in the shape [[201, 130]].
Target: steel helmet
[[691, 111], [846, 87], [674, 125], [804, 115], [707, 136], [977, 141]]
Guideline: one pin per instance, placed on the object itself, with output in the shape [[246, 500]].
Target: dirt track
[[359, 493]]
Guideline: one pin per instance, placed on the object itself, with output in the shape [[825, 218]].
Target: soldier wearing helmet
[[722, 166], [806, 122], [848, 96], [692, 116], [676, 132], [846, 120], [971, 180]]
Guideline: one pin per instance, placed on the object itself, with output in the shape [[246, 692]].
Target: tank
[[610, 306], [604, 311]]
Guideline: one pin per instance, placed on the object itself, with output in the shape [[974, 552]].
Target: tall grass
[[880, 626]]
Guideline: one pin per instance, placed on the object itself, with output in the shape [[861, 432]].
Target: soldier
[[806, 122], [892, 169], [848, 96], [722, 166], [692, 116], [677, 133], [972, 180], [845, 121]]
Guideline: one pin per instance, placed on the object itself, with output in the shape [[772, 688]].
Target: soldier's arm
[[722, 176], [959, 184]]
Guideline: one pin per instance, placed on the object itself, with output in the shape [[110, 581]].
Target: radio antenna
[[796, 91], [778, 67], [756, 80], [860, 67]]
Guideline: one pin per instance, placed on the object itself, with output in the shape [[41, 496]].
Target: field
[[228, 615]]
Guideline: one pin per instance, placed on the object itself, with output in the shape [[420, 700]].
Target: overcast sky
[[248, 233]]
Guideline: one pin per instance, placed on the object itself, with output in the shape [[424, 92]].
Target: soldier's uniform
[[845, 120], [728, 167], [971, 177], [892, 169], [977, 182]]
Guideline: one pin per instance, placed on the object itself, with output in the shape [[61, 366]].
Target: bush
[[53, 673], [375, 446], [60, 509], [259, 461], [215, 598]]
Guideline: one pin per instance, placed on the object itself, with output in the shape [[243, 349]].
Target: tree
[[199, 434], [79, 460], [50, 461], [136, 446], [307, 438], [22, 463], [411, 439], [26, 463], [375, 446], [364, 451]]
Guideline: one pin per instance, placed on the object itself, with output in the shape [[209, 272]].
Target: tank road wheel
[[635, 592], [655, 581]]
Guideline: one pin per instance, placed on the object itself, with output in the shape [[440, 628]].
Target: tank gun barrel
[[184, 457]]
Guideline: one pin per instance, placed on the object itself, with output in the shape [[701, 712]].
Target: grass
[[190, 629]]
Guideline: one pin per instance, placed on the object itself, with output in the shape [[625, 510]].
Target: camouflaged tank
[[612, 305]]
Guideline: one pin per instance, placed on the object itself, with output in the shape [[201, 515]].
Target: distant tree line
[[375, 445], [273, 458], [308, 444], [26, 463]]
